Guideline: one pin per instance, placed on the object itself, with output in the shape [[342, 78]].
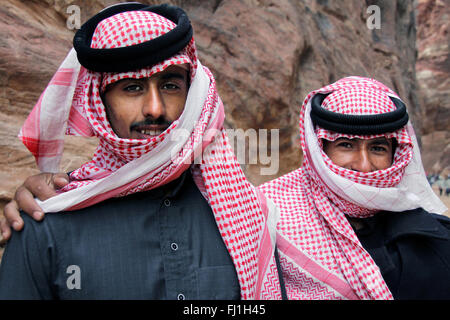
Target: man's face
[[363, 155], [144, 108]]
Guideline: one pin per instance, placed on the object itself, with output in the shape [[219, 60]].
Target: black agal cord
[[136, 56], [358, 124]]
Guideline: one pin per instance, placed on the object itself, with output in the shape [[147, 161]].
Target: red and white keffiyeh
[[314, 235], [72, 104]]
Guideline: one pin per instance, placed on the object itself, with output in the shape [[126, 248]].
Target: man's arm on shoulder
[[41, 186], [25, 268]]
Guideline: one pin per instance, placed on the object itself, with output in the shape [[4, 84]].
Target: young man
[[142, 220], [354, 217]]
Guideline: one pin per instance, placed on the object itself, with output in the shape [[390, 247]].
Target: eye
[[344, 144], [170, 86], [133, 88], [379, 148]]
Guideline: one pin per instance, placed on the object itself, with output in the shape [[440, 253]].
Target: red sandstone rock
[[433, 78]]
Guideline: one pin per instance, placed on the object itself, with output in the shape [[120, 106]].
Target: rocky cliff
[[266, 56], [433, 79]]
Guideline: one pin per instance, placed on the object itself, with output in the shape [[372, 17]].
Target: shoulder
[[444, 220], [421, 238], [415, 223], [56, 225], [36, 229], [421, 241], [38, 236]]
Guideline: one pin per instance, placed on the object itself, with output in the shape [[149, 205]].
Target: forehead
[[181, 69], [383, 140], [178, 70]]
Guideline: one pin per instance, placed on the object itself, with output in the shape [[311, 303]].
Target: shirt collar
[[171, 189]]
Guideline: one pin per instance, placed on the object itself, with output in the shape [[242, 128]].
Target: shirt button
[[167, 202], [174, 246], [180, 296]]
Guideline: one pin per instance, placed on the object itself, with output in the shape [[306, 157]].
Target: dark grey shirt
[[159, 244]]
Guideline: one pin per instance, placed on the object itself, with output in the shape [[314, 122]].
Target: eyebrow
[[341, 139], [381, 140], [171, 75], [164, 76]]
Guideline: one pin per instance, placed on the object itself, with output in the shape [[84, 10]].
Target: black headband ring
[[137, 56], [358, 124]]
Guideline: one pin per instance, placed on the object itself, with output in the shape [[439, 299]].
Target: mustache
[[161, 121]]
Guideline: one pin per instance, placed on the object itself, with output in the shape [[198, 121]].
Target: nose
[[362, 161], [153, 104]]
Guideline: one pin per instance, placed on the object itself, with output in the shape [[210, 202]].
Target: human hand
[[41, 186]]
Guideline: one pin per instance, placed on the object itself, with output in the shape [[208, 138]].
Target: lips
[[149, 131]]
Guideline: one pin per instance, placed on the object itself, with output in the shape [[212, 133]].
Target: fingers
[[60, 180], [11, 218], [5, 230], [40, 185], [12, 215], [24, 200]]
